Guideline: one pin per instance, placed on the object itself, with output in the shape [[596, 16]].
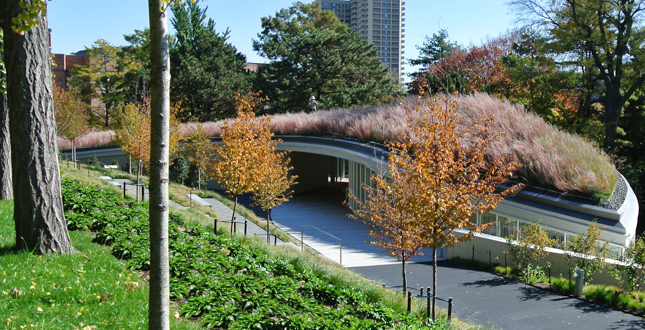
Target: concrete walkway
[[324, 217]]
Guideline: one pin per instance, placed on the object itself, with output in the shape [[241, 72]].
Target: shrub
[[530, 249]]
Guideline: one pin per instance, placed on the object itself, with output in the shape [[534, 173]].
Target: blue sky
[[78, 23]]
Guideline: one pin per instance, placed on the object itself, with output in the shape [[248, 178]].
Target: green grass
[[85, 289]]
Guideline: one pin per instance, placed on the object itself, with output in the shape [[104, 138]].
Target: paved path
[[479, 297], [323, 209]]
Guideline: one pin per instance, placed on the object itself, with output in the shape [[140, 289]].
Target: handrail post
[[428, 305], [124, 189], [245, 226], [214, 225], [302, 238], [409, 301], [341, 252], [449, 308]]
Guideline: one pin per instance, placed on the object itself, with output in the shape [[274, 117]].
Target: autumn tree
[[198, 150], [273, 182], [134, 132], [466, 70], [236, 161], [71, 116], [446, 168], [383, 211], [39, 217]]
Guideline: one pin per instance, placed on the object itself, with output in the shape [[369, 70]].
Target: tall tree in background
[[72, 121], [206, 70], [159, 310], [313, 54], [466, 70], [100, 80], [38, 214], [134, 62], [432, 50], [451, 178], [606, 35], [6, 186]]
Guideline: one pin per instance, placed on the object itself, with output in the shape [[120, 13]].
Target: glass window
[[489, 218], [386, 26], [386, 60], [386, 10], [386, 32], [386, 48], [386, 21], [386, 38], [507, 227], [325, 4], [333, 5], [377, 10], [558, 236], [386, 43], [386, 15], [386, 5]]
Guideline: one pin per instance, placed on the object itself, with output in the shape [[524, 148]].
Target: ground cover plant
[[90, 289], [229, 282]]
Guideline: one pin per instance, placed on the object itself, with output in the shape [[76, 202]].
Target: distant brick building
[[63, 65]]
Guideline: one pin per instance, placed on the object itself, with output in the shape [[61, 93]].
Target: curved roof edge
[[375, 156]]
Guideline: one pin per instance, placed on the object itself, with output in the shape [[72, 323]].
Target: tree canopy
[[206, 70], [604, 37], [313, 54]]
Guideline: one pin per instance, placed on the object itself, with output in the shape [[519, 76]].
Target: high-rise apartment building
[[380, 22]]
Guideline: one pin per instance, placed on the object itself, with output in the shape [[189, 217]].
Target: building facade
[[380, 22]]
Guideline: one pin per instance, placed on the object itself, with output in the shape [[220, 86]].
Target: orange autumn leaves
[[247, 161], [434, 183]]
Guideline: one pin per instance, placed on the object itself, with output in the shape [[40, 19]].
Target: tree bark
[[38, 210], [6, 188], [159, 311]]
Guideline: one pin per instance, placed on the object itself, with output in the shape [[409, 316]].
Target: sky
[[76, 24]]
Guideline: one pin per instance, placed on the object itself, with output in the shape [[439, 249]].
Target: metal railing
[[302, 240]]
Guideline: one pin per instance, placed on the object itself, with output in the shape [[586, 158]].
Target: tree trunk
[[159, 311], [405, 277], [434, 280], [233, 216], [38, 210], [612, 115], [6, 189]]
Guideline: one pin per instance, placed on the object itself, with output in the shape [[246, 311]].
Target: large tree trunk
[[159, 311], [6, 188], [612, 115], [38, 208]]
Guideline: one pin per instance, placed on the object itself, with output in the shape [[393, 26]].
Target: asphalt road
[[483, 298]]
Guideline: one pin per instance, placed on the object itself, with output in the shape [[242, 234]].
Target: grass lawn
[[88, 290]]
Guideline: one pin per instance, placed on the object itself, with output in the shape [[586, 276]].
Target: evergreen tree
[[206, 70], [313, 54], [433, 50]]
